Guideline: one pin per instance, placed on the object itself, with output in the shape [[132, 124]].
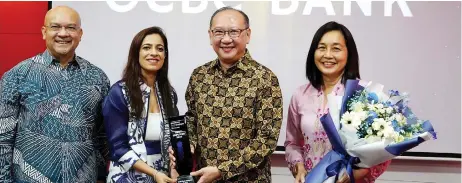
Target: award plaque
[[182, 149]]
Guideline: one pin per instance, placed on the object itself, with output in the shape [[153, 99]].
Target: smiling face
[[61, 32], [229, 36], [331, 55], [152, 54]]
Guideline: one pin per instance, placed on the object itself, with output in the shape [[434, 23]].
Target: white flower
[[351, 120], [358, 107], [371, 107], [379, 124], [400, 118], [389, 110], [379, 106], [381, 111], [356, 122], [357, 118], [389, 132], [346, 118]]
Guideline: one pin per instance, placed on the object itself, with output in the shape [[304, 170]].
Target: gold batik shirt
[[234, 118]]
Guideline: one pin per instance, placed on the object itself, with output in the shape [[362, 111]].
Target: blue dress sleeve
[[116, 116]]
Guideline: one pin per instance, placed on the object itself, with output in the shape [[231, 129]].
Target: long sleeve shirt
[[51, 115], [234, 118], [306, 140]]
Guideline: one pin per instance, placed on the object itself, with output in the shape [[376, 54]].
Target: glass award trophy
[[182, 149]]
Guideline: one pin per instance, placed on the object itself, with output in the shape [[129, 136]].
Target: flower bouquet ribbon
[[367, 127]]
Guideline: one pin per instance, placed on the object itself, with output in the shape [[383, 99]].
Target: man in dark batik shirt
[[50, 111], [234, 107]]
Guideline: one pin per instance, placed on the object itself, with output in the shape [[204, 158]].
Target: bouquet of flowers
[[367, 127]]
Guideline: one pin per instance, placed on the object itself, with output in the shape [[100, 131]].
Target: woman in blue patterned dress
[[136, 112]]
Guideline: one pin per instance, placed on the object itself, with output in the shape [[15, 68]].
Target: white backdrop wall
[[409, 46]]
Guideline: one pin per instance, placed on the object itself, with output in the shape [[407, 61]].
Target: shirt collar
[[338, 90], [242, 63], [50, 59], [144, 87]]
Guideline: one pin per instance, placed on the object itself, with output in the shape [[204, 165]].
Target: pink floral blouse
[[306, 140]]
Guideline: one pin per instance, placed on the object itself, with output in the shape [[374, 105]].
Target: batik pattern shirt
[[234, 118], [51, 127]]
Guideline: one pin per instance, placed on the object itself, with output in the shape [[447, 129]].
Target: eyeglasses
[[69, 29], [233, 33]]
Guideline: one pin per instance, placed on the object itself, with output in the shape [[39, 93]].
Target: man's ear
[[248, 33], [210, 36], [44, 32]]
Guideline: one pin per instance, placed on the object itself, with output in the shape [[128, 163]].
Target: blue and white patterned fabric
[[51, 127], [126, 135]]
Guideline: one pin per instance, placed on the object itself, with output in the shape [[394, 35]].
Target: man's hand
[[358, 175], [299, 172], [207, 174]]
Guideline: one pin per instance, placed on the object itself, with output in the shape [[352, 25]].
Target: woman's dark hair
[[132, 74], [352, 66]]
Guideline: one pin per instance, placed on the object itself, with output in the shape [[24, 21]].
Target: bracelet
[[155, 174]]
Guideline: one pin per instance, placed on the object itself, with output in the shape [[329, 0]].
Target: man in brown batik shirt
[[234, 107]]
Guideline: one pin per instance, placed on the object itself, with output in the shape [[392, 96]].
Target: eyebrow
[[335, 44], [149, 44], [61, 24], [221, 28]]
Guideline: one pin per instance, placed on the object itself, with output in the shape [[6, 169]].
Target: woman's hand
[[299, 172], [358, 174], [162, 178], [173, 173]]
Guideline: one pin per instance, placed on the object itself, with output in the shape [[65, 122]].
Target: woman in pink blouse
[[332, 59]]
